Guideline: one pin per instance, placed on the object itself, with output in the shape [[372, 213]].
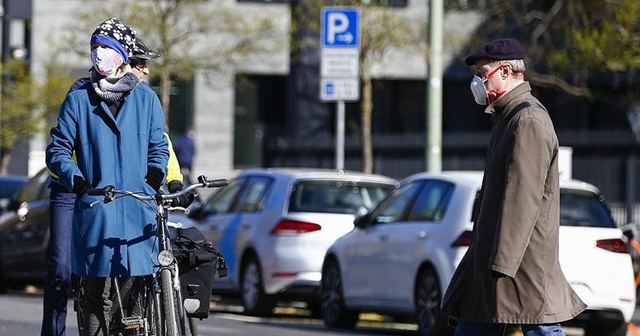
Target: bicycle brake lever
[[109, 195]]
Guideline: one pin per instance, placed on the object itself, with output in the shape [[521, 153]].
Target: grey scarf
[[112, 89]]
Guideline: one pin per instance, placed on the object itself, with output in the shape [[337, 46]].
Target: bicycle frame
[[168, 312]]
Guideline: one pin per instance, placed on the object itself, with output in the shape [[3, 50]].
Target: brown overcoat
[[511, 273]]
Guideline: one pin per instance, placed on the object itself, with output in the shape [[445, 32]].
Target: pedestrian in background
[[511, 274], [185, 149]]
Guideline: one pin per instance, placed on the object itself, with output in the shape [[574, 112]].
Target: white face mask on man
[[106, 60], [479, 91]]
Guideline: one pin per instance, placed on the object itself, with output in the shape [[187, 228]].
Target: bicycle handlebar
[[109, 191]]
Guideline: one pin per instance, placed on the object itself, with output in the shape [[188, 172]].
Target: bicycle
[[157, 308]]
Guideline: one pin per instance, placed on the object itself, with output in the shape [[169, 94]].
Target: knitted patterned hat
[[115, 35]]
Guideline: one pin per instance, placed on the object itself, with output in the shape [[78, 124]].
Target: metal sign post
[[340, 65]]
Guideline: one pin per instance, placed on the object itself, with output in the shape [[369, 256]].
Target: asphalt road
[[21, 313]]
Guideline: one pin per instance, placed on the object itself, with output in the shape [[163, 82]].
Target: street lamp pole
[[434, 88]]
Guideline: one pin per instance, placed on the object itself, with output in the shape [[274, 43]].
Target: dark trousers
[[58, 261], [100, 305], [496, 329]]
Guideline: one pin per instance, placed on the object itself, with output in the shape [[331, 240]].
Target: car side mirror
[[631, 231], [361, 217], [197, 212]]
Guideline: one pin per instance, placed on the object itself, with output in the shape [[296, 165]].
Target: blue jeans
[[58, 261], [495, 329]]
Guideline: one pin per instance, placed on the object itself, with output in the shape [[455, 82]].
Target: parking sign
[[340, 27], [340, 54]]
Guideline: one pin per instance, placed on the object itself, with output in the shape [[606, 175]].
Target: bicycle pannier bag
[[198, 262]]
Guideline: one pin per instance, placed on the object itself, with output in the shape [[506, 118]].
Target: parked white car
[[401, 255], [274, 225]]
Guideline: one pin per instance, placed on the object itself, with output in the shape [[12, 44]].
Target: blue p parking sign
[[340, 54], [340, 27]]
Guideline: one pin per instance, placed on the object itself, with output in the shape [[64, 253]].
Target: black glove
[[154, 178], [184, 200], [80, 186]]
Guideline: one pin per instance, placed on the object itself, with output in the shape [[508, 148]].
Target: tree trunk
[[5, 158], [367, 107], [165, 94]]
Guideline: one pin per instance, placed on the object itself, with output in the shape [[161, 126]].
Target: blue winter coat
[[114, 239]]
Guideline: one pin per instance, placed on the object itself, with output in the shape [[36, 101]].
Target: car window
[[432, 202], [253, 196], [33, 189], [222, 200], [335, 196], [10, 187], [584, 209], [393, 207]]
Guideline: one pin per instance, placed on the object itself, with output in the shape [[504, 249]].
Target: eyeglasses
[[491, 73], [141, 66]]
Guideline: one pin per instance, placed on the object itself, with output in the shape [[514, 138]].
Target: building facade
[[248, 117]]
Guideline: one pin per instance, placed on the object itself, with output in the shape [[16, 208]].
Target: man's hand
[[184, 200]]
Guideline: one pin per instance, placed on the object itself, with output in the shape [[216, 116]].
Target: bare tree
[[190, 35], [569, 42], [383, 29]]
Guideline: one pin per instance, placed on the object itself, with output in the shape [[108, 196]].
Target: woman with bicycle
[[115, 127]]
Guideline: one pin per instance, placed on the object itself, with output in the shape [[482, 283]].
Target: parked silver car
[[274, 225], [401, 256]]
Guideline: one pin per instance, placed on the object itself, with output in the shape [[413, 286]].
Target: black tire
[[606, 328], [314, 308], [4, 284], [332, 307], [254, 300], [193, 326], [168, 303], [428, 295], [187, 324]]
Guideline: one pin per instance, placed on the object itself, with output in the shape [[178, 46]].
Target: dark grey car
[[24, 232]]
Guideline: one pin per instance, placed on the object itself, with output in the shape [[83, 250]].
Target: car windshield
[[583, 209], [335, 196]]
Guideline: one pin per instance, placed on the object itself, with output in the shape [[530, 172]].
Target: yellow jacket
[[173, 167]]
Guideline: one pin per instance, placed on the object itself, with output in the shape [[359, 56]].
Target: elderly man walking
[[511, 273]]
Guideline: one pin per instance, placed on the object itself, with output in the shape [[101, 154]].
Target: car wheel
[[332, 307], [254, 300], [314, 308], [428, 296], [606, 328]]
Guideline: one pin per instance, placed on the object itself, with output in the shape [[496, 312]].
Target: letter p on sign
[[340, 27], [337, 23]]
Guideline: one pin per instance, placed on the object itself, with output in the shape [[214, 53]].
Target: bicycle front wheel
[[168, 303]]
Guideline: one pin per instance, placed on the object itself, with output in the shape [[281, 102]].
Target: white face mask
[[480, 93], [106, 60]]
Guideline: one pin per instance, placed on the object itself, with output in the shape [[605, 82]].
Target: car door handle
[[422, 234], [384, 237], [245, 226]]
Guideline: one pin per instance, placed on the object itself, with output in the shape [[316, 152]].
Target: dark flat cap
[[500, 49]]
